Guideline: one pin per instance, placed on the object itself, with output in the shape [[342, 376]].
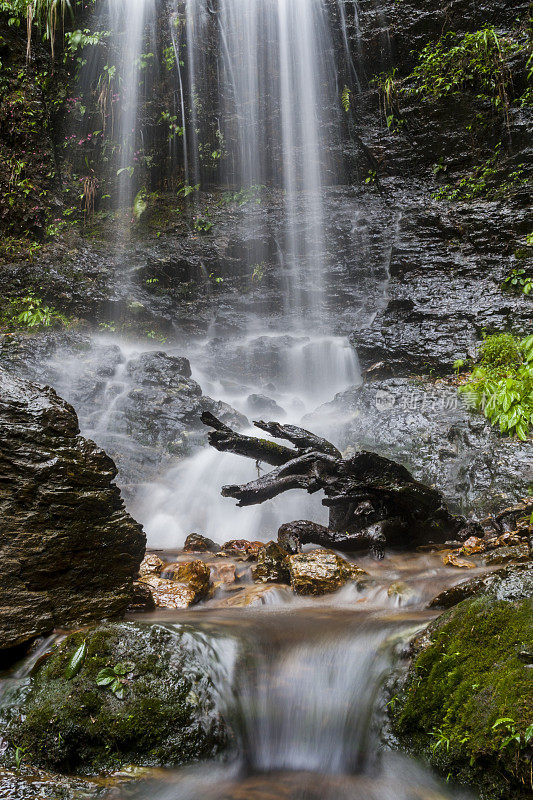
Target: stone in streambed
[[142, 599], [271, 565], [190, 583], [259, 403], [196, 543], [151, 565], [241, 549], [504, 554], [166, 717], [320, 572]]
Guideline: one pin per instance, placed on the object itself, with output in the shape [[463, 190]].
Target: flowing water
[[299, 682]]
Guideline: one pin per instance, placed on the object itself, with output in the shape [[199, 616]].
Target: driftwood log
[[372, 500]]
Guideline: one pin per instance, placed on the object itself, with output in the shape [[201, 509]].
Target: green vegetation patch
[[467, 703], [117, 694], [501, 385]]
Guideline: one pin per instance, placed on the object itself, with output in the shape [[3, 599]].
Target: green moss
[[469, 677], [167, 716]]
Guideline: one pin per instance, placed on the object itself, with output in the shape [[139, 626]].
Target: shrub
[[501, 386]]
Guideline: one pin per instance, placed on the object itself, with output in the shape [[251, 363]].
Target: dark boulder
[[68, 550]]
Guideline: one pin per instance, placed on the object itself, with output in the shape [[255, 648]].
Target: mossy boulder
[[161, 712], [466, 702]]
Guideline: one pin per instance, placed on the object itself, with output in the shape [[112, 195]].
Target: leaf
[[118, 689], [76, 662], [106, 676]]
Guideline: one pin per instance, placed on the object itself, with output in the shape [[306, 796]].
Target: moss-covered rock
[[467, 700], [167, 715]]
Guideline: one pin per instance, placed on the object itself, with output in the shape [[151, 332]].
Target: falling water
[[131, 21], [276, 121]]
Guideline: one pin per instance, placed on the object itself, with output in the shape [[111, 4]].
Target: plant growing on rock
[[31, 312], [501, 385], [518, 281]]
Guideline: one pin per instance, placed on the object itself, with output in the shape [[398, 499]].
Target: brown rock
[[271, 565], [320, 572], [191, 583], [473, 545], [69, 551], [505, 554], [242, 549], [196, 543], [170, 594], [150, 565], [223, 572], [250, 596], [453, 560]]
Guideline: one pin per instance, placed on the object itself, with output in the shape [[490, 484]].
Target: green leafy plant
[[187, 189], [202, 224], [371, 177], [518, 281], [19, 757], [31, 312], [476, 61], [258, 273], [512, 737], [442, 740], [458, 365], [483, 181], [114, 679], [243, 196], [501, 386], [346, 98]]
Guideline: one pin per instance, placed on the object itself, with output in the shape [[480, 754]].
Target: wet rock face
[[166, 717], [148, 398], [320, 572], [68, 550], [429, 429]]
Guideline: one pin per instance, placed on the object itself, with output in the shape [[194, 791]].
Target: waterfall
[[275, 122]]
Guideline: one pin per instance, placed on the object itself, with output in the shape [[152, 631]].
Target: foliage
[[244, 196], [483, 182], [476, 61], [201, 224], [518, 281], [46, 14], [114, 679], [501, 386], [76, 662], [346, 98], [31, 312]]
